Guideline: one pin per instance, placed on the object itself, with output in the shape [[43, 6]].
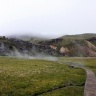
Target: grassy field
[[91, 63], [88, 62], [22, 77]]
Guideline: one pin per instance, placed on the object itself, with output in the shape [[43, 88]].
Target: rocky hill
[[16, 47], [73, 45], [70, 45]]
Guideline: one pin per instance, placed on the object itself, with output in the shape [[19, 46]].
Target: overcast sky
[[51, 18]]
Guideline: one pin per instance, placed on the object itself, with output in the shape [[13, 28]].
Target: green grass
[[88, 62], [67, 91], [20, 77], [91, 63]]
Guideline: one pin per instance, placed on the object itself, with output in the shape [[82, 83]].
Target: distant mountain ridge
[[82, 45]]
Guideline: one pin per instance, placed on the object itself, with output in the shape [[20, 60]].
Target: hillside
[[69, 45], [17, 47], [73, 45]]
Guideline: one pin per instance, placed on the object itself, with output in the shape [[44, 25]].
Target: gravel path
[[90, 84]]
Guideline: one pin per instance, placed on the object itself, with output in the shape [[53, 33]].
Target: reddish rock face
[[53, 47], [64, 50]]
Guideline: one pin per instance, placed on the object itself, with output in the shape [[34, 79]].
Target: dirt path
[[90, 84]]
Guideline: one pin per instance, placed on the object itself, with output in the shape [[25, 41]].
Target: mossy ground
[[22, 77]]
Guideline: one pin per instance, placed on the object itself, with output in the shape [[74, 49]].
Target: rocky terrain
[[16, 47], [70, 45]]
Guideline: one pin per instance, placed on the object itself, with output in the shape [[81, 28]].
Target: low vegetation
[[88, 62], [22, 77], [91, 63]]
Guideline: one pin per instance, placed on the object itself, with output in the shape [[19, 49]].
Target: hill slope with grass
[[73, 45], [83, 45]]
